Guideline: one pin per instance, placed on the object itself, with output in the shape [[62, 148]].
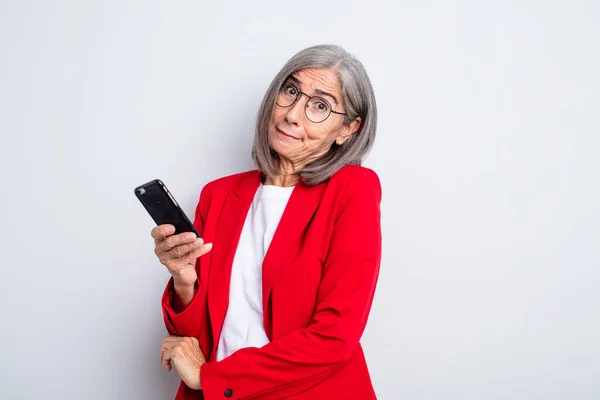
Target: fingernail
[[190, 236], [199, 241]]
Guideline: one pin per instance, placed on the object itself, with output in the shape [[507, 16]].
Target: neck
[[287, 175], [283, 180]]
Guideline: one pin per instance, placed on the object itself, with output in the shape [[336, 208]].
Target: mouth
[[286, 134]]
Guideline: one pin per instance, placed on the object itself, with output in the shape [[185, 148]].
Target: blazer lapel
[[227, 235], [300, 208]]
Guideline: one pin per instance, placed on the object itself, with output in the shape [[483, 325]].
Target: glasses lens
[[287, 95], [317, 109]]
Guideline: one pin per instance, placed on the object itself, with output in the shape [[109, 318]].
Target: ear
[[348, 130]]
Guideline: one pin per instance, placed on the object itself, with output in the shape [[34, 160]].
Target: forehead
[[314, 79]]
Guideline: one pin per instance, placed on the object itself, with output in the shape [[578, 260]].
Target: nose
[[296, 111]]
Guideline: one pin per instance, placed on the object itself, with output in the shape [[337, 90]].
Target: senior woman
[[272, 301]]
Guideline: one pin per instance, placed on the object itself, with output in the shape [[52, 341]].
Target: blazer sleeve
[[303, 358], [189, 321]]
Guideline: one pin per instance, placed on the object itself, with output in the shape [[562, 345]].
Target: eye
[[320, 105], [290, 89]]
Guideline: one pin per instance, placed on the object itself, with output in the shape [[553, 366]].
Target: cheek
[[278, 113], [320, 133]]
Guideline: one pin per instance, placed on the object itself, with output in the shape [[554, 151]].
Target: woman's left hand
[[186, 356]]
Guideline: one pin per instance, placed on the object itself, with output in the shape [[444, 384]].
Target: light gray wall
[[487, 150]]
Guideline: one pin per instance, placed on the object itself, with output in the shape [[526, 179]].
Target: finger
[[202, 250], [191, 341], [165, 359], [178, 266], [165, 351], [160, 232], [190, 258], [168, 341], [168, 344], [182, 250], [175, 240]]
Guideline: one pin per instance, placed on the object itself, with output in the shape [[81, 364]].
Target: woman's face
[[295, 138]]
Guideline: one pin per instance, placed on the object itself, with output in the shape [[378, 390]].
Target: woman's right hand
[[179, 253]]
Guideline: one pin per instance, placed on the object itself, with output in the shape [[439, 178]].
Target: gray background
[[487, 151]]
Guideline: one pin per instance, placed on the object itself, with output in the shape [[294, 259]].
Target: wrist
[[183, 287], [182, 296]]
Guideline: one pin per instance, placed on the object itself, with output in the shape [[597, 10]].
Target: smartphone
[[162, 207]]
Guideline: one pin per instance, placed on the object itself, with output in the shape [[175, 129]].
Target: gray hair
[[359, 100]]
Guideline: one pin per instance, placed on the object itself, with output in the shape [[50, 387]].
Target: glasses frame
[[298, 93]]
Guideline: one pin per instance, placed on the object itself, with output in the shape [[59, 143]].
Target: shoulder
[[355, 197], [352, 172], [227, 183], [230, 181], [353, 179], [214, 193]]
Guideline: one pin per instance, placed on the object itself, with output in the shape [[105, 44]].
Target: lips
[[286, 134]]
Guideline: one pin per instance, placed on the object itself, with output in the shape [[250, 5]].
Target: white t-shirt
[[243, 325]]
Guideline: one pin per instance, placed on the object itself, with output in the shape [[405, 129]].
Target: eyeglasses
[[317, 108]]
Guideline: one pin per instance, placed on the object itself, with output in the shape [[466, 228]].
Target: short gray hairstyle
[[359, 100]]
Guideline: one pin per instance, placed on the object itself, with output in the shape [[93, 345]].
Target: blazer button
[[228, 393]]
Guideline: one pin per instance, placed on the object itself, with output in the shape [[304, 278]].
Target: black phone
[[162, 207]]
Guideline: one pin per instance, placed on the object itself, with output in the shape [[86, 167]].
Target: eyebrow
[[317, 91]]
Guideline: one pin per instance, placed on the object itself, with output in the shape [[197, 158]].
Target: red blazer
[[319, 278]]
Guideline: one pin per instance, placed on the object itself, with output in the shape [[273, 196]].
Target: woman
[[272, 301]]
